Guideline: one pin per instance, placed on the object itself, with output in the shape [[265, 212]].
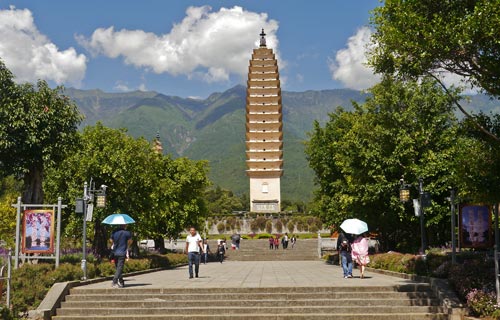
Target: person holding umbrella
[[360, 253], [120, 239], [351, 226], [344, 250]]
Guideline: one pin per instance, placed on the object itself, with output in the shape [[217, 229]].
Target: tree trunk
[[100, 243], [33, 192], [134, 248], [160, 245]]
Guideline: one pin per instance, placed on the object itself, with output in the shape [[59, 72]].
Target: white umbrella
[[354, 226]]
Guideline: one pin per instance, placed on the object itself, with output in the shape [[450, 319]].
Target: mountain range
[[213, 129]]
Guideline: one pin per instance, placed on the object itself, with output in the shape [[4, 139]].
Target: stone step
[[260, 316], [218, 310], [258, 250], [254, 297], [239, 302], [413, 287]]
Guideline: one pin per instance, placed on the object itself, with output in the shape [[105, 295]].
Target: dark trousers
[[193, 258], [119, 263]]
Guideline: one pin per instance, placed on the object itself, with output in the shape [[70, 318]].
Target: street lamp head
[[404, 195], [404, 191], [101, 201]]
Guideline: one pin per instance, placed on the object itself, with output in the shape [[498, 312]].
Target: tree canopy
[[418, 37], [38, 128], [414, 38], [163, 195], [405, 129]]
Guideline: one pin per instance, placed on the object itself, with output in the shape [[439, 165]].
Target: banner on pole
[[475, 226]]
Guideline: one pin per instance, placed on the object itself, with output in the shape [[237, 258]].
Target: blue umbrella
[[118, 218]]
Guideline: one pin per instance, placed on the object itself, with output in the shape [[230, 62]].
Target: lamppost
[[85, 206], [453, 226], [424, 200]]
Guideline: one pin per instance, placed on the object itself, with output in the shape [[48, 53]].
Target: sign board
[[79, 206], [416, 206], [38, 231], [475, 226], [90, 211]]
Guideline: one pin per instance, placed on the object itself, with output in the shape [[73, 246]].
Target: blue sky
[[185, 48]]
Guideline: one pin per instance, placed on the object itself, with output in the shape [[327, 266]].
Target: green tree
[[9, 191], [477, 162], [179, 187], [405, 129], [222, 202], [414, 38], [38, 128], [163, 195]]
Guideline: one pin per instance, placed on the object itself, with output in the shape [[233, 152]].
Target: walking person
[[235, 241], [120, 239], [193, 246], [206, 251], [271, 243], [221, 250], [276, 243], [344, 250], [293, 239], [360, 253]]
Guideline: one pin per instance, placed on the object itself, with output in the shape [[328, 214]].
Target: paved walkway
[[255, 274]]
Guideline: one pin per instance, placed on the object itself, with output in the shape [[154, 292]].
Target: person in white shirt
[[193, 246]]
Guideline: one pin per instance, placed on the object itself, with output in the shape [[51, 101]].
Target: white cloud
[[30, 55], [204, 45], [124, 87], [349, 65], [121, 86]]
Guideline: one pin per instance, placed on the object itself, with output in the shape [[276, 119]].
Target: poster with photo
[[38, 231], [475, 226]]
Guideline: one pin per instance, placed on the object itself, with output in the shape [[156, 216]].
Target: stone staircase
[[408, 302], [258, 250]]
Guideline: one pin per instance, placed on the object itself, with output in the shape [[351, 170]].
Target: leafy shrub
[[30, 283], [263, 236], [221, 227], [260, 222], [404, 263], [472, 274], [482, 302], [254, 226], [313, 228], [269, 226], [290, 226], [5, 313], [472, 279], [279, 226]]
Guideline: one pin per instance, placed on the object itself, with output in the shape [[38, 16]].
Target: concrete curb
[[440, 287], [60, 290]]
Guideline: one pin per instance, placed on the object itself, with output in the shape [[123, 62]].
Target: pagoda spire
[[262, 39], [157, 146]]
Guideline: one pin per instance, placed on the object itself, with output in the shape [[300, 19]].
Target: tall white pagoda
[[264, 136]]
